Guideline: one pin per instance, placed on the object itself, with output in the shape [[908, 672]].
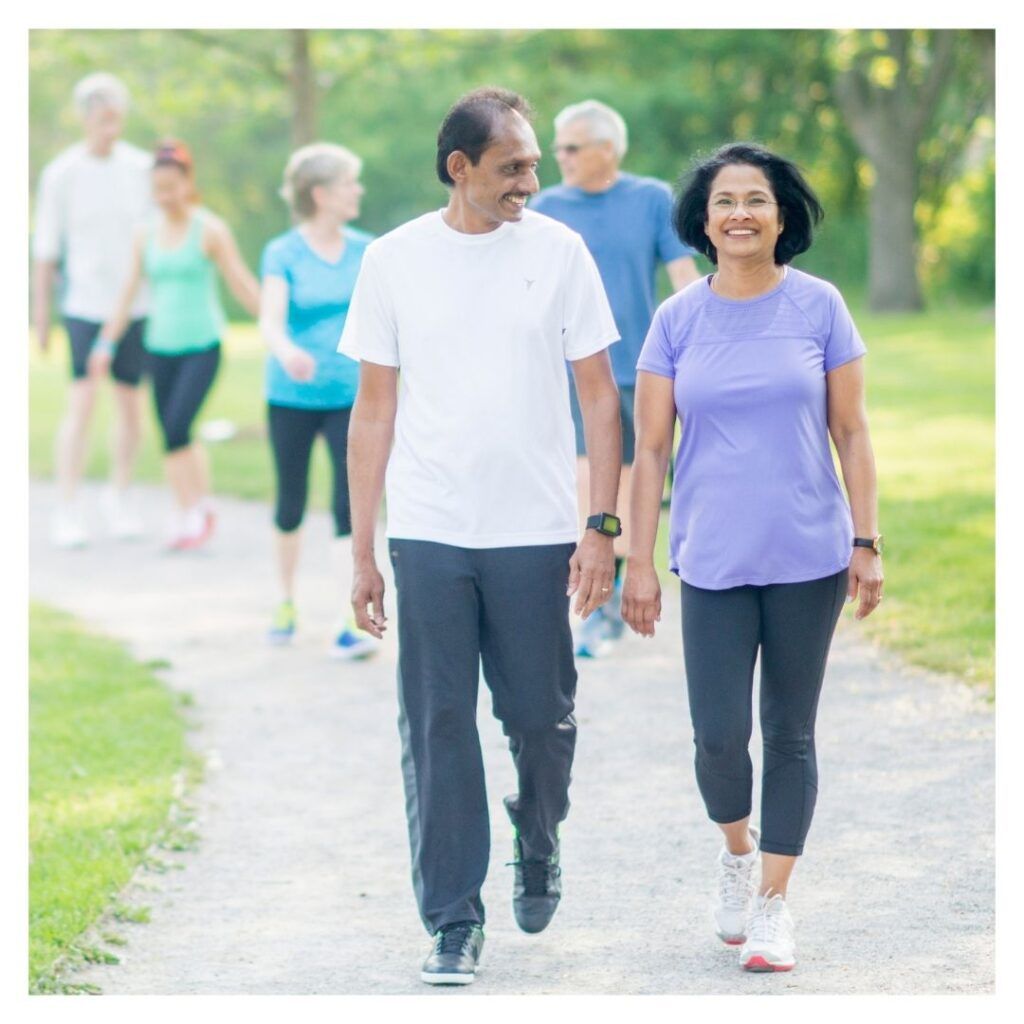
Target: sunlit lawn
[[931, 401]]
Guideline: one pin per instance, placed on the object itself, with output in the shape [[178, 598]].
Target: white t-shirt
[[481, 327], [86, 213]]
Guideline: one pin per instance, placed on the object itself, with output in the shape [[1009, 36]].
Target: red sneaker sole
[[760, 965]]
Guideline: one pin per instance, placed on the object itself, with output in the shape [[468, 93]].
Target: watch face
[[609, 524], [878, 544]]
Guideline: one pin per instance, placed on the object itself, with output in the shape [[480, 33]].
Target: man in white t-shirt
[[91, 198], [463, 320]]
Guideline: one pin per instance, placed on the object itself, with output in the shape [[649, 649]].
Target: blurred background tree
[[894, 129]]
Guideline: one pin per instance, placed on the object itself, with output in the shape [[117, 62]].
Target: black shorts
[[626, 394], [127, 364]]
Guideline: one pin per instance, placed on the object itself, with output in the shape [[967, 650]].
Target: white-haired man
[[625, 221], [91, 197]]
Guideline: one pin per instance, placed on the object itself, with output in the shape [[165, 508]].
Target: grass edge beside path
[[107, 763]]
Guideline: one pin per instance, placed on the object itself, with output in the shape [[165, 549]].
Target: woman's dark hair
[[174, 153], [469, 125], [799, 209]]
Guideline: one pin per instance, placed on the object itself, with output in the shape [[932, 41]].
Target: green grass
[[931, 402], [105, 743]]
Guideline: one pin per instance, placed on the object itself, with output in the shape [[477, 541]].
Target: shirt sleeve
[[657, 356], [275, 262], [843, 342], [669, 247], [47, 240], [587, 322], [371, 329]]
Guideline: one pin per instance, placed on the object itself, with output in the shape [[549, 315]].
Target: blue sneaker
[[282, 629], [612, 612], [591, 639], [352, 643]]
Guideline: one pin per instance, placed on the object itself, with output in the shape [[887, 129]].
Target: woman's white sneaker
[[737, 883], [771, 938]]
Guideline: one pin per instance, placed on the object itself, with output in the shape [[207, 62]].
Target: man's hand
[[591, 572], [641, 599], [100, 358], [368, 593]]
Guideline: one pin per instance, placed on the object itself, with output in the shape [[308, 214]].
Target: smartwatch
[[875, 543], [606, 523]]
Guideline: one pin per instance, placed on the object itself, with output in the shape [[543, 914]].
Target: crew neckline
[[465, 238], [755, 299]]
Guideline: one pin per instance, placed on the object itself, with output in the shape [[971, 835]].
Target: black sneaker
[[455, 956], [537, 886]]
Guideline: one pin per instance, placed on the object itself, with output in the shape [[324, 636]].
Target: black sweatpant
[[180, 386], [457, 607], [292, 433], [792, 625]]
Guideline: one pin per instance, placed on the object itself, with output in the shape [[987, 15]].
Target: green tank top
[[185, 314]]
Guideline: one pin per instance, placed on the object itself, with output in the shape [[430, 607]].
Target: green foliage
[[384, 92], [105, 742]]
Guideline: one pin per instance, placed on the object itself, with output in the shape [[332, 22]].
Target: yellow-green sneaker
[[282, 629]]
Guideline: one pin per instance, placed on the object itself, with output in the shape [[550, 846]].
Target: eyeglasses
[[726, 205], [571, 148]]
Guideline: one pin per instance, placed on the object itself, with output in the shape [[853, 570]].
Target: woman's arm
[[297, 362], [102, 354], [654, 417], [848, 425], [219, 245]]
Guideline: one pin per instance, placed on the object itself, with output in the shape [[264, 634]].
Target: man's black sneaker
[[455, 956], [537, 886]]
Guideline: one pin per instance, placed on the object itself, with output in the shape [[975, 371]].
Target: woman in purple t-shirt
[[761, 363]]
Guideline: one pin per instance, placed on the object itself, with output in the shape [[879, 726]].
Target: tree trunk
[[303, 90], [892, 264]]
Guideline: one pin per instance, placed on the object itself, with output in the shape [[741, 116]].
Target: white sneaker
[[67, 529], [736, 886], [123, 521], [771, 939]]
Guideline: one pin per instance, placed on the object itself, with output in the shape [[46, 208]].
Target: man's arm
[[370, 434], [45, 275], [682, 272], [592, 567]]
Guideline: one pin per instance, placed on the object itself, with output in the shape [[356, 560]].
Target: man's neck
[[601, 184], [460, 216], [100, 149]]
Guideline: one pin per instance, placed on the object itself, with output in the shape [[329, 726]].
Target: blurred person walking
[[308, 275], [463, 320], [91, 199], [180, 252], [761, 364], [626, 222]]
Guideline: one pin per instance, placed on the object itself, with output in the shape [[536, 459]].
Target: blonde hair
[[100, 90], [604, 123], [319, 163]]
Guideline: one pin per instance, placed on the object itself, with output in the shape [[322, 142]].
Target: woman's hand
[[641, 598], [298, 364], [866, 579]]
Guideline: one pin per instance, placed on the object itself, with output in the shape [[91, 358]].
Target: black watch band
[[875, 543], [606, 523]]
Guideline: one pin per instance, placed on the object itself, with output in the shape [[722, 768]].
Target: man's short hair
[[100, 90], [469, 125], [604, 123]]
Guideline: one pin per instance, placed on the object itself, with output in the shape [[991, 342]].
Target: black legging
[[180, 386], [292, 433], [792, 623]]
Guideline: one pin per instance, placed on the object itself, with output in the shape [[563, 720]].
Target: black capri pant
[[792, 625], [292, 433], [180, 386]]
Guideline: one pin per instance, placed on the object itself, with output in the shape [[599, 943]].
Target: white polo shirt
[[87, 210], [481, 327]]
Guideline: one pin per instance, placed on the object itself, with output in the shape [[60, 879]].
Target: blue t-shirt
[[318, 297], [628, 230]]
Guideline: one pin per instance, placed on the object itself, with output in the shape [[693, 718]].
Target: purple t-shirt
[[755, 499]]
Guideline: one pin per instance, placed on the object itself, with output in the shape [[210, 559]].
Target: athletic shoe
[[67, 529], [536, 886], [352, 643], [736, 886], [771, 943], [456, 954], [591, 641], [199, 527], [123, 521], [612, 614], [282, 628]]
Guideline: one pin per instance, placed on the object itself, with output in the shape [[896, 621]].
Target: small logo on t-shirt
[[529, 283]]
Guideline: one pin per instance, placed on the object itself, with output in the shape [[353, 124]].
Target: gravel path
[[300, 881]]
